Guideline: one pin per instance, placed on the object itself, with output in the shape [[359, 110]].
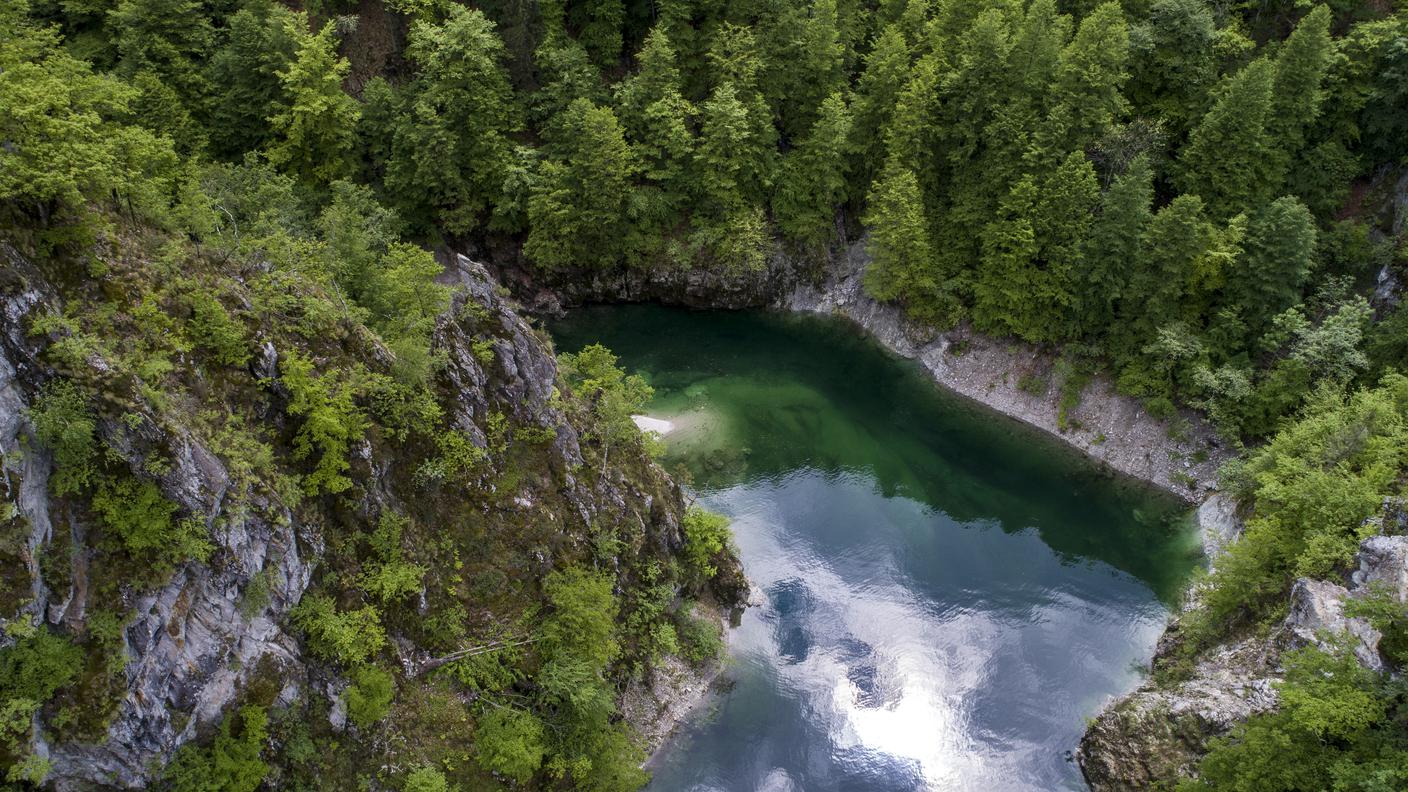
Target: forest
[[1180, 194]]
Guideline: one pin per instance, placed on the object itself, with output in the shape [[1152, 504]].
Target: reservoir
[[942, 596]]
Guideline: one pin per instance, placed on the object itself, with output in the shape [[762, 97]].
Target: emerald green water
[[943, 595]]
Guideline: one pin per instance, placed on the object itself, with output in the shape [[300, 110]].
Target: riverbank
[[1180, 456]]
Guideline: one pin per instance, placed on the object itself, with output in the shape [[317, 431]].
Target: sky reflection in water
[[942, 599]]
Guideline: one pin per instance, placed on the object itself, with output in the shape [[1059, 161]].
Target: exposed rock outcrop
[[1159, 732], [196, 641], [1018, 380]]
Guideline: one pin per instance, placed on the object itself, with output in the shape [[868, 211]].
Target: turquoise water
[[943, 595]]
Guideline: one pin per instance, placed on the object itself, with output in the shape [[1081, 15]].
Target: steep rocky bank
[[1158, 733], [1020, 381], [1016, 379], [203, 640]]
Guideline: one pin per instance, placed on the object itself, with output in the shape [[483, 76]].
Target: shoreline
[[1017, 380]]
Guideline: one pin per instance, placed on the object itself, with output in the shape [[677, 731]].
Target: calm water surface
[[945, 596]]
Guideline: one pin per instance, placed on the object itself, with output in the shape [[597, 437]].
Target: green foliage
[[261, 44], [1330, 732], [32, 670], [389, 576], [1389, 616], [369, 696], [700, 639], [1226, 161], [331, 421], [706, 535], [213, 328], [232, 763], [313, 134], [145, 523], [613, 395], [426, 779], [1312, 486], [510, 742], [350, 637], [64, 141], [64, 424], [812, 182], [577, 212], [450, 146]]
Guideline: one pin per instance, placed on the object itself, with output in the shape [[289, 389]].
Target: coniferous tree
[[903, 265], [877, 93], [262, 42], [168, 38], [1114, 248], [802, 64], [1061, 221], [577, 212], [1277, 256], [1092, 71], [1177, 236], [1008, 277], [450, 150], [1296, 94], [314, 133], [812, 182], [1175, 65], [1226, 160], [734, 60], [600, 23]]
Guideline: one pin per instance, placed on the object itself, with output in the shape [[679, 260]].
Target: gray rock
[[1317, 614]]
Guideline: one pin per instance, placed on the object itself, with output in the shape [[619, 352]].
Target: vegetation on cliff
[[215, 215]]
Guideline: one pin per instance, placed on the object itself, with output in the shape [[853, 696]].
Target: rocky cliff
[[1158, 733], [216, 632]]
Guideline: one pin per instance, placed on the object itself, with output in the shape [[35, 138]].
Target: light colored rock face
[[1158, 733], [1218, 524], [1317, 612], [1106, 426]]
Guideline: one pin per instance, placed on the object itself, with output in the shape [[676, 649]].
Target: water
[[945, 596]]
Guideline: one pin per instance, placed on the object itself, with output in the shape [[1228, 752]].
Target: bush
[[1313, 486], [348, 637], [331, 422], [369, 697], [145, 522], [705, 536], [510, 742], [31, 672], [701, 640], [64, 424], [232, 763], [426, 779]]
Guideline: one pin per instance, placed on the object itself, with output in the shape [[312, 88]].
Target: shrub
[[213, 328], [145, 522], [348, 637], [701, 640], [369, 697], [705, 536], [64, 424], [426, 779], [331, 422], [232, 763], [510, 742], [31, 672]]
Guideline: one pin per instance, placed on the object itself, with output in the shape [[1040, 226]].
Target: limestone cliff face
[[1158, 733], [194, 643]]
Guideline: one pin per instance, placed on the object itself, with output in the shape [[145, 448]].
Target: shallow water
[[946, 596]]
